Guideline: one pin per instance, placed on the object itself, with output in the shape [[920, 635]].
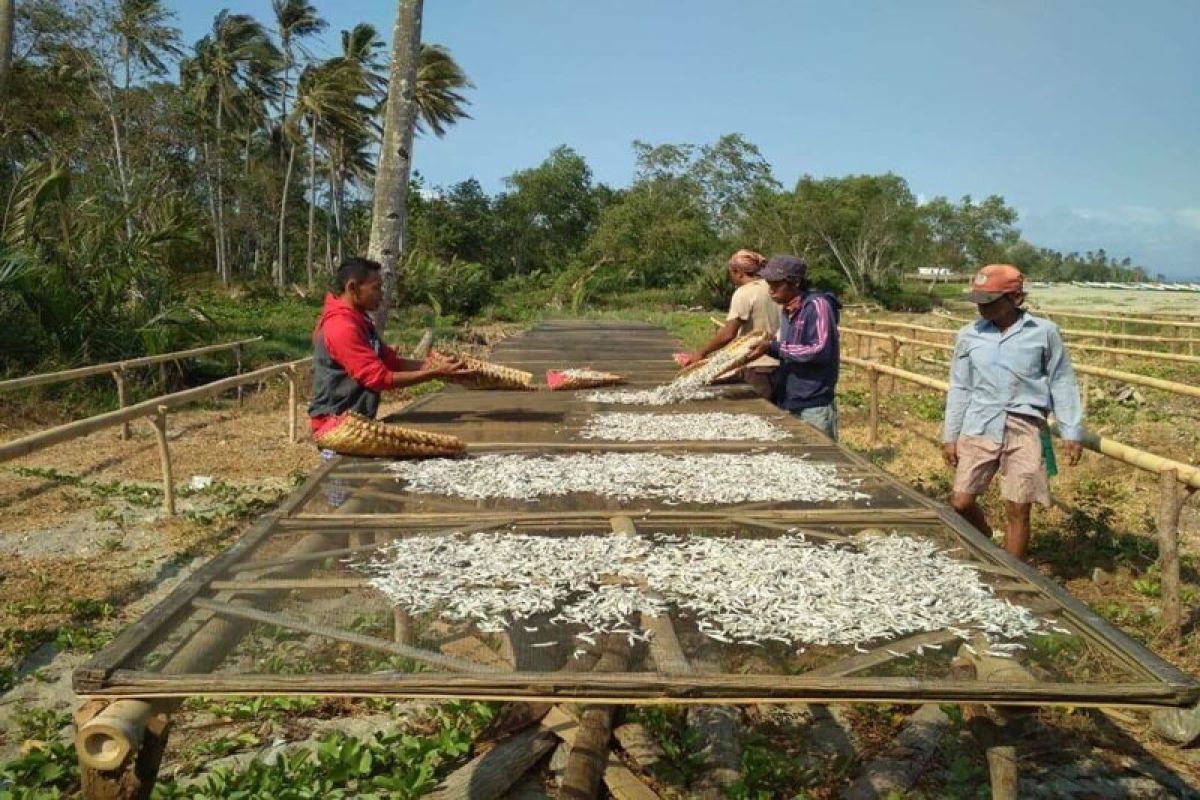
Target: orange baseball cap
[[994, 281]]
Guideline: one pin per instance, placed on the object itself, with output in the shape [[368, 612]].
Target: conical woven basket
[[562, 380], [356, 435], [720, 365], [494, 376]]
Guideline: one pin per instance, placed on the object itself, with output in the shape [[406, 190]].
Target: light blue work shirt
[[1024, 370]]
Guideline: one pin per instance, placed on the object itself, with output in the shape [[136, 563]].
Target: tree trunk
[[122, 176], [312, 195], [222, 253], [389, 207], [281, 267], [8, 16], [335, 213], [212, 203]]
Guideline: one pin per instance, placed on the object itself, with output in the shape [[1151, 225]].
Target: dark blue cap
[[784, 268]]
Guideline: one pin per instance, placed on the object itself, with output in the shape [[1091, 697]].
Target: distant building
[[934, 272]]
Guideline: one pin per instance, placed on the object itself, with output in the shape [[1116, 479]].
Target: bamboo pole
[[873, 376], [1188, 474], [164, 454], [119, 377], [1170, 505], [893, 352], [79, 373], [237, 355], [290, 377]]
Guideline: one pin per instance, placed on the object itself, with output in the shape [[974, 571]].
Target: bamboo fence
[[1178, 481], [119, 369]]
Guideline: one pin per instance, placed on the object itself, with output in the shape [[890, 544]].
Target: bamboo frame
[[1152, 682]]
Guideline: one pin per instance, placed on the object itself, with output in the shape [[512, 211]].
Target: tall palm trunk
[[312, 194], [222, 253], [8, 16], [389, 206], [281, 267], [335, 211]]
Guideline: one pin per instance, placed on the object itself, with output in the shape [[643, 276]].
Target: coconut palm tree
[[296, 19], [236, 57], [327, 99], [440, 84], [145, 37], [8, 17], [436, 105]]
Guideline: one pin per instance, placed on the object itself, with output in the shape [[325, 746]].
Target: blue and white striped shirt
[[1024, 370]]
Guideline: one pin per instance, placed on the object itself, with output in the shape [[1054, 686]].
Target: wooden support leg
[[119, 377], [122, 782], [290, 375], [164, 455], [1173, 496], [237, 355], [893, 352], [1000, 747], [873, 376]]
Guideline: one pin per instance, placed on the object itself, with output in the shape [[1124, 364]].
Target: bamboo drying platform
[[279, 612]]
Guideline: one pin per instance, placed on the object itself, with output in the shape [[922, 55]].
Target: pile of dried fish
[[690, 385], [718, 426], [672, 478], [663, 395], [746, 591]]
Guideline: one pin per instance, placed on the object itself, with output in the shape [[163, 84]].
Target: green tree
[[547, 213], [229, 64], [969, 234]]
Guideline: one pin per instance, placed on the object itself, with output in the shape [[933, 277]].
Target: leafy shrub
[[896, 298], [460, 288]]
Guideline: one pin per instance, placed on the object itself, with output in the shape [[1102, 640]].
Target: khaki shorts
[[1018, 458]]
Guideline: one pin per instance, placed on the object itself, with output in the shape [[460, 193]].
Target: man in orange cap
[[1010, 371]]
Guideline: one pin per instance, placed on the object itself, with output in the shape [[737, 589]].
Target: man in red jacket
[[351, 365]]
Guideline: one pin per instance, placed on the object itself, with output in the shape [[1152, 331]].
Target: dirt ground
[[85, 549]]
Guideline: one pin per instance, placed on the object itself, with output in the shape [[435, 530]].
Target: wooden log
[[639, 745], [893, 352], [368, 642], [79, 373], [119, 378], [621, 783], [897, 769], [1172, 498], [289, 584], [491, 774], [164, 456], [589, 753], [117, 782]]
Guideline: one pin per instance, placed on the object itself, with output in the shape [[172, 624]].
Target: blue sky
[[1083, 114]]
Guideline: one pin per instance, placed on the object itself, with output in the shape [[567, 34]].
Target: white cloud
[[1189, 217]]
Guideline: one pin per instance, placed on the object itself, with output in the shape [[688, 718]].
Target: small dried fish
[[716, 478], [720, 426]]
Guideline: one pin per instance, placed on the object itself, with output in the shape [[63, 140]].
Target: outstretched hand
[[441, 366], [1073, 451]]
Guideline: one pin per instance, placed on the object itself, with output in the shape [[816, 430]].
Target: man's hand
[[440, 366], [1073, 451], [759, 350], [950, 454]]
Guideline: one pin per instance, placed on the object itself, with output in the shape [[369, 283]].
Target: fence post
[[164, 455], [119, 376], [162, 376], [1171, 503], [290, 375], [873, 376], [237, 355], [894, 351], [1085, 385]]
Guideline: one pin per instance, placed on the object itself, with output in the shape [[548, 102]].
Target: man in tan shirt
[[751, 310]]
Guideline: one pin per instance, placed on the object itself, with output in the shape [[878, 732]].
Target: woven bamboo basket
[[493, 376], [562, 380], [356, 435], [732, 357]]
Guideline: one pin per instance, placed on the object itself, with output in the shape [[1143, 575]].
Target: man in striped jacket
[[806, 345]]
